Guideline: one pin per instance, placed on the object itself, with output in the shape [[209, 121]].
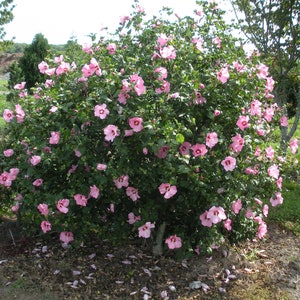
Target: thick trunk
[[157, 249]]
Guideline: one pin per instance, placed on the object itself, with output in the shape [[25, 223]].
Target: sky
[[59, 20]]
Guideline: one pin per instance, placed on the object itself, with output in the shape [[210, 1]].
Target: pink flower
[[184, 148], [265, 210], [136, 124], [270, 84], [122, 181], [66, 237], [62, 205], [132, 193], [167, 190], [123, 19], [20, 114], [278, 199], [162, 40], [205, 221], [223, 75], [80, 199], [173, 242], [55, 137], [198, 43], [128, 132], [20, 86], [43, 67], [38, 182], [63, 68], [270, 152], [43, 209], [262, 230], [211, 139], [162, 73], [101, 111], [35, 160], [217, 113], [229, 163], [217, 41], [8, 115], [199, 99], [132, 218], [111, 131], [263, 71], [145, 230], [279, 183], [216, 214], [284, 121], [294, 145], [255, 108], [243, 122], [268, 114], [94, 192], [164, 88], [101, 167], [8, 152], [168, 52], [273, 171], [94, 67], [227, 224], [139, 86], [236, 206], [111, 48], [45, 226], [238, 143], [163, 151], [5, 179], [199, 150]]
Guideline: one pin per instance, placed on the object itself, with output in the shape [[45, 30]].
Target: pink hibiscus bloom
[[199, 150], [66, 237], [132, 193], [216, 214], [229, 163], [101, 111], [243, 122], [163, 151], [263, 71], [101, 167], [205, 221], [262, 230], [236, 206], [35, 160], [136, 124], [273, 171], [62, 205], [173, 242], [132, 218], [255, 108], [164, 88], [8, 152], [111, 131], [122, 181], [167, 190], [55, 137], [278, 199], [238, 143], [211, 139], [111, 48], [8, 115], [270, 152], [184, 148], [80, 200], [145, 230], [162, 73], [45, 226], [227, 224], [223, 75], [43, 67], [94, 192], [294, 145], [284, 121], [168, 52], [38, 182], [43, 209]]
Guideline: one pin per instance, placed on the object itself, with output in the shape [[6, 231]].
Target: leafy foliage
[[6, 16]]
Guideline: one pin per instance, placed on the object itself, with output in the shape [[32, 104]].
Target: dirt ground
[[33, 269]]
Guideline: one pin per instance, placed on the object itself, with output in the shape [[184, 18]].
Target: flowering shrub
[[163, 132]]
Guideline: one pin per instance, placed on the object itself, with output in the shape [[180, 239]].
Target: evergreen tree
[[33, 55]]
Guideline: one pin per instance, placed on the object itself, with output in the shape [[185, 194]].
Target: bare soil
[[35, 269]]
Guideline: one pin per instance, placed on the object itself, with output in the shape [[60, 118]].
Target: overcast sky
[[58, 20]]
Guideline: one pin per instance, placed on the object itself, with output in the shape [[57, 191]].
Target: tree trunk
[[157, 249]]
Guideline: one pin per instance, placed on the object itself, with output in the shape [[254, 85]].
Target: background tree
[[6, 16], [33, 55], [273, 27]]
